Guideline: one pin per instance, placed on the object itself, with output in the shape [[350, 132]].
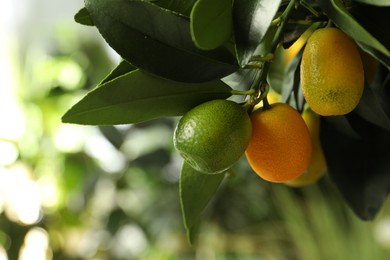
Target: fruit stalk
[[261, 85]]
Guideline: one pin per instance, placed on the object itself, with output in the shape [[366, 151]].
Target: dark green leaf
[[376, 54], [196, 190], [83, 17], [157, 40], [242, 80], [294, 29], [266, 43], [211, 23], [291, 81], [372, 16], [375, 2], [342, 125], [360, 168], [345, 21], [292, 35], [276, 71], [179, 6], [251, 20], [370, 109], [138, 96], [123, 68]]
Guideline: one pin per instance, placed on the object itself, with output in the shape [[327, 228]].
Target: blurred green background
[[82, 192]]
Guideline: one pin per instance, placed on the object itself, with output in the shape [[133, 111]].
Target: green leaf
[[83, 17], [370, 17], [265, 44], [375, 2], [359, 166], [291, 81], [138, 96], [342, 125], [292, 77], [123, 68], [158, 41], [211, 23], [251, 20], [371, 110], [345, 21], [242, 79], [278, 77], [276, 71], [196, 190], [294, 30], [179, 6]]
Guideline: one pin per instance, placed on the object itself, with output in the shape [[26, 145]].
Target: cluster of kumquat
[[280, 144]]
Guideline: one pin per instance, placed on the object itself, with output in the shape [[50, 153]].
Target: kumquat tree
[[295, 90]]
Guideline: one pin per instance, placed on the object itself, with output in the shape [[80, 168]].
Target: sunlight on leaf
[[211, 23], [251, 20], [138, 96]]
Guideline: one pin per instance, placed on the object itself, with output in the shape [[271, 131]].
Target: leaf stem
[[276, 21], [267, 57], [266, 104], [243, 92], [309, 8], [261, 84], [329, 24], [253, 66], [284, 18], [301, 22], [264, 98]]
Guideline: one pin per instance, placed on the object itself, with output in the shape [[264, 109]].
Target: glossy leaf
[[138, 96], [265, 44], [375, 2], [123, 68], [211, 23], [344, 20], [157, 40], [242, 80], [196, 190], [251, 20], [179, 6], [275, 74], [83, 17], [291, 81]]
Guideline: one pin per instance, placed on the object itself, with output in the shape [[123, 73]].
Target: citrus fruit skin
[[280, 147], [317, 167], [332, 75], [213, 136]]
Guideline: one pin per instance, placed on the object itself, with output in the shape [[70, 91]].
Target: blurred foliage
[[78, 192]]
